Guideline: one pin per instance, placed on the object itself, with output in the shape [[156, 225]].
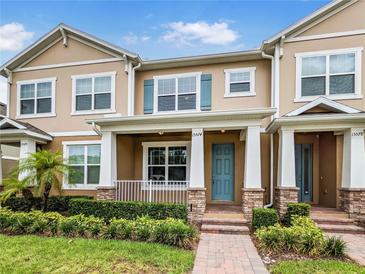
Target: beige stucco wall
[[263, 82], [74, 52], [349, 19], [288, 70]]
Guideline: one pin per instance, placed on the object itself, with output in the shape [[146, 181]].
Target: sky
[[153, 29]]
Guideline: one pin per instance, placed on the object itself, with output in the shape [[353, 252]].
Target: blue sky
[[153, 29]]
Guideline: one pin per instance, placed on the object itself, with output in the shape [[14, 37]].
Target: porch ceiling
[[228, 120], [318, 122]]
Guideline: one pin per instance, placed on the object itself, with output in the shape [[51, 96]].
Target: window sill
[[34, 116], [79, 187], [176, 112], [332, 97], [91, 112], [239, 94]]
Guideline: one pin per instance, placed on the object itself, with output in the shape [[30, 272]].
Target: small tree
[[43, 170], [14, 186]]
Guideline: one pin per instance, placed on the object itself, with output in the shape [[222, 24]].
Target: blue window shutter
[[206, 92], [148, 97]]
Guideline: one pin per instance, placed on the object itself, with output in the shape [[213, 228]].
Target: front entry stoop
[[224, 219], [333, 220]]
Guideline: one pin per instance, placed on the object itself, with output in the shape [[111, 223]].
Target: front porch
[[219, 163]]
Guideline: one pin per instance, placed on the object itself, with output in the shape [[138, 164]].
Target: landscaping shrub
[[264, 217], [169, 231], [334, 246], [303, 237], [127, 210], [55, 203], [296, 209]]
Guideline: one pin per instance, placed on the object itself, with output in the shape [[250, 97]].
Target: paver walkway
[[355, 246], [225, 254]]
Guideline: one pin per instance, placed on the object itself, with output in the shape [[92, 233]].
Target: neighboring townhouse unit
[[268, 126]]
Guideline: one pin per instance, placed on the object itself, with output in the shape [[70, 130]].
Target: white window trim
[[169, 76], [112, 74], [147, 145], [356, 95], [53, 98], [227, 90], [65, 144]]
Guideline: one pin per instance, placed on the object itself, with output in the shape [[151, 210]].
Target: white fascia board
[[6, 120], [323, 101]]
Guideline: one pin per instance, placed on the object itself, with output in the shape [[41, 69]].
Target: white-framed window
[[335, 74], [36, 98], [240, 82], [84, 159], [93, 93], [177, 93], [166, 162]]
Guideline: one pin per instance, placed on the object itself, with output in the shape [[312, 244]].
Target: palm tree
[[13, 186], [43, 170]]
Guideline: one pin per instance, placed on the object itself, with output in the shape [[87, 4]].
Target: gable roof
[[325, 103], [58, 33], [316, 16]]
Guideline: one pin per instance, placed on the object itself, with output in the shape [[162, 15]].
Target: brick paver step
[[332, 220], [342, 228], [225, 229], [224, 221]]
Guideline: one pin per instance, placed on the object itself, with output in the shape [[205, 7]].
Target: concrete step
[[224, 221], [332, 220], [225, 229], [223, 209], [342, 228]]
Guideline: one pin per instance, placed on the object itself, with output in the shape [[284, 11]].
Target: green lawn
[[317, 267], [33, 254]]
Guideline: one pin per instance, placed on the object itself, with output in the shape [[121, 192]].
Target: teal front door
[[304, 171], [223, 172]]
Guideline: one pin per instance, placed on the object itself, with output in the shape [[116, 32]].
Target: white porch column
[[1, 166], [353, 163], [252, 178], [108, 161], [286, 161], [27, 147], [197, 159]]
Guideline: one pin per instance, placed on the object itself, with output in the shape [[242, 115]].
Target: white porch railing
[[152, 191]]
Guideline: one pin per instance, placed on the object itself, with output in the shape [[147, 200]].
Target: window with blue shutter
[[206, 92], [148, 97]]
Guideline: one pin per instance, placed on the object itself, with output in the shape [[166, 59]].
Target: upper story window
[[36, 98], [84, 161], [177, 92], [334, 73], [93, 93], [240, 82]]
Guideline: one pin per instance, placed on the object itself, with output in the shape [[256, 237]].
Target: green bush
[[55, 203], [303, 237], [127, 210], [334, 246], [169, 231], [296, 209], [264, 217]]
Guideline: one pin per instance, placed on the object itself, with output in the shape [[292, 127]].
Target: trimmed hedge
[[296, 209], [55, 203], [127, 210], [264, 217], [169, 231]]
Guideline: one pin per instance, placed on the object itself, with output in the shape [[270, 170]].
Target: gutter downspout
[[272, 58], [133, 83], [9, 83], [95, 128]]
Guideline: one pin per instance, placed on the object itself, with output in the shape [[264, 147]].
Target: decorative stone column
[[196, 191], [352, 191], [108, 165], [286, 190], [252, 193]]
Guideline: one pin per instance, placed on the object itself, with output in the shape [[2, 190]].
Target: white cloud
[[13, 36], [217, 33], [131, 38]]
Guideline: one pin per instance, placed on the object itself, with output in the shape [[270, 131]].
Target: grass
[[317, 267], [34, 254]]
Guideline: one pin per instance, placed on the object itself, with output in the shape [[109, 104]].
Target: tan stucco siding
[[74, 52], [349, 19], [64, 121], [288, 68], [219, 102], [56, 144]]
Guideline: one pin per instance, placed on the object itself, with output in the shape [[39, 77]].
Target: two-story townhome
[[261, 127]]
